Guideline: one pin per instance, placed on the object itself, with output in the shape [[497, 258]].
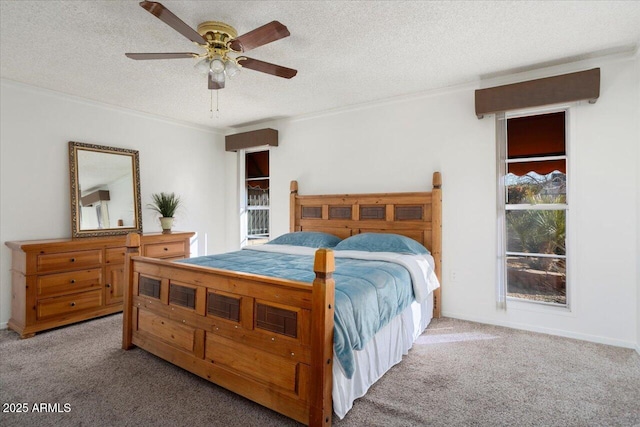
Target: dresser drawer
[[115, 255], [56, 282], [69, 260], [70, 282], [58, 306], [165, 250]]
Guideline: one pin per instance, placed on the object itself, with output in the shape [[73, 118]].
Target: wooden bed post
[[322, 306], [436, 239], [292, 205], [133, 249]]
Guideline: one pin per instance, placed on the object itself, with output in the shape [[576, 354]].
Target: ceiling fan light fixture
[[218, 77], [231, 68], [217, 64], [203, 66]]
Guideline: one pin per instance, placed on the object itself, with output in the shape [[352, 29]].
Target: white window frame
[[242, 192], [501, 168]]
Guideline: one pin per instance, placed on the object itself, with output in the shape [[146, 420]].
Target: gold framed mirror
[[105, 190]]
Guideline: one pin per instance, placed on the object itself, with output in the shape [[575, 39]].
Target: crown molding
[[589, 60], [106, 106], [429, 93]]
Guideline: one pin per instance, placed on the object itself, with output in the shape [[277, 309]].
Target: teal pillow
[[311, 239], [381, 242]]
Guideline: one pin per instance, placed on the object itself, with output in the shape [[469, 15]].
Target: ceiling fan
[[219, 39]]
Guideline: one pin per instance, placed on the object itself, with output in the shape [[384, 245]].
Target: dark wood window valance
[[254, 138], [534, 93]]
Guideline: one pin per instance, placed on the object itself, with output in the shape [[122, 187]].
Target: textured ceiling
[[346, 52]]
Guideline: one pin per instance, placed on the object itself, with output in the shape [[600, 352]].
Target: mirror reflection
[[105, 190]]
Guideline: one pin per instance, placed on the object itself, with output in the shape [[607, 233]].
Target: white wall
[[396, 145], [232, 196], [638, 195], [35, 127]]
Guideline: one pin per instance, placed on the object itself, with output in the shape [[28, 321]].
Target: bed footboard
[[267, 339]]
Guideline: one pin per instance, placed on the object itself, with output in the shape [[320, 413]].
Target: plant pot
[[166, 222]]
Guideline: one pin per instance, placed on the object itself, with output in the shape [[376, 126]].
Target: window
[[256, 197], [532, 208]]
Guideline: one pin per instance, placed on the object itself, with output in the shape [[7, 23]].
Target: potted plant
[[166, 205]]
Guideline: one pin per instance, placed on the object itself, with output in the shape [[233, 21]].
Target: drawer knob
[[72, 280], [73, 260], [108, 285], [166, 249], [73, 304]]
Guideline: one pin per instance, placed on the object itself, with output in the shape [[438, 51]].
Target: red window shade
[[262, 184], [536, 136], [542, 168], [257, 164]]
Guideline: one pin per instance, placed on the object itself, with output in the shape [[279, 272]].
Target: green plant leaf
[[165, 204]]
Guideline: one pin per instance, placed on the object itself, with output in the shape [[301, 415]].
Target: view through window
[[535, 208], [257, 193]]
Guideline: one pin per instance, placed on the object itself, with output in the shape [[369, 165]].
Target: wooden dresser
[[63, 281]]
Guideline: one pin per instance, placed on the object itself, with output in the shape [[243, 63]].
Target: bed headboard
[[415, 215]]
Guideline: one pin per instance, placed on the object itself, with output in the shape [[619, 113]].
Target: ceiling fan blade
[[266, 67], [176, 55], [166, 16], [260, 36], [214, 85]]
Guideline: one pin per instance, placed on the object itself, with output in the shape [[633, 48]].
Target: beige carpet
[[458, 374]]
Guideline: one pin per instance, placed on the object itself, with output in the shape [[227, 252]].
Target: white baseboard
[[4, 325], [550, 331]]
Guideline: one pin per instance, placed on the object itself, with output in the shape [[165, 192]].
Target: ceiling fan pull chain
[[217, 104]]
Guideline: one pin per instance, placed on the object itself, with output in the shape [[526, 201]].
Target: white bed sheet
[[383, 351]]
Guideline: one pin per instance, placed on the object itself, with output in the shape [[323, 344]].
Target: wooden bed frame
[[267, 339]]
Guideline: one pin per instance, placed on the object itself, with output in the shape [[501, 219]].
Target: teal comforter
[[368, 293]]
